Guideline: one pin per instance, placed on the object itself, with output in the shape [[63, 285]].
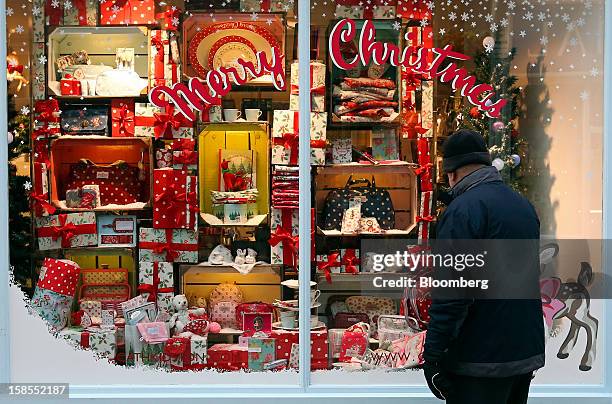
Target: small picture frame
[[257, 322]]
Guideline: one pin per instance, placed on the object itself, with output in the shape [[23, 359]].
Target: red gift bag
[[355, 342]]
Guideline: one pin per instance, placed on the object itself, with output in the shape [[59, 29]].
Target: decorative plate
[[222, 43], [227, 50]]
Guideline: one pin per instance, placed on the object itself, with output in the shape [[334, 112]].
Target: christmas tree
[[506, 146], [20, 224]]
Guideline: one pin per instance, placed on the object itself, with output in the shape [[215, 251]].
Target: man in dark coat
[[484, 350]]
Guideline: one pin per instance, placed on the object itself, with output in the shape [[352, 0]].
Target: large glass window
[[390, 109]]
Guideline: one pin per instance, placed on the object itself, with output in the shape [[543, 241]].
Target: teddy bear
[[181, 315]]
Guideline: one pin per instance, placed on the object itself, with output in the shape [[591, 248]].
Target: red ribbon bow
[[14, 68], [42, 200], [350, 261], [423, 169], [165, 122], [289, 141], [290, 243], [65, 231], [123, 118], [429, 218], [332, 262], [159, 45], [41, 153], [154, 289]]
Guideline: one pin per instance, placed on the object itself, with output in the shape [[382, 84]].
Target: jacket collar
[[481, 176]]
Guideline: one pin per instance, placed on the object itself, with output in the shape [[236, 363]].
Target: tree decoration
[[20, 231], [501, 134]]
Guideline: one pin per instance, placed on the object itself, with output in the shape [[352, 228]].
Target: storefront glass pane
[[152, 222], [527, 76]]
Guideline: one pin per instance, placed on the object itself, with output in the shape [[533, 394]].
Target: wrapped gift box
[[425, 216], [38, 21], [156, 283], [261, 351], [187, 353], [103, 342], [335, 341], [55, 290], [342, 151], [40, 193], [127, 12], [82, 12], [163, 157], [319, 346], [384, 144], [122, 117], [183, 154], [228, 357], [156, 122], [171, 245], [284, 238], [47, 115], [234, 213], [176, 201], [67, 230], [87, 197], [328, 264], [116, 231], [161, 63], [285, 137], [70, 86], [39, 71], [317, 87], [372, 10], [92, 307], [427, 107]]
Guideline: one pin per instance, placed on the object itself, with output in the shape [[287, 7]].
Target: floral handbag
[[375, 202], [119, 182]]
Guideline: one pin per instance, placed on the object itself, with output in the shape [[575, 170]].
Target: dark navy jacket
[[487, 338]]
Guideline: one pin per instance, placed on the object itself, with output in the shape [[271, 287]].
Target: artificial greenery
[[501, 134]]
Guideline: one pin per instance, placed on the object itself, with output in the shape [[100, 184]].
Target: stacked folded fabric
[[367, 98], [285, 187], [246, 196]]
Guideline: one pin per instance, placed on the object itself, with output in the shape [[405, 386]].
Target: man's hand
[[437, 381]]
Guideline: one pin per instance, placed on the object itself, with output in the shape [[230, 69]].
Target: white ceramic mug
[[252, 115], [287, 319], [231, 114], [314, 295]]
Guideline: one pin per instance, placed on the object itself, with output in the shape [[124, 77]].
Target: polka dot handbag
[[119, 182], [375, 202]]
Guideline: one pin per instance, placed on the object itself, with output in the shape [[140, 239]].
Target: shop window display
[[157, 145]]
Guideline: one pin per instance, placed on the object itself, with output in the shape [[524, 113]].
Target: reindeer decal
[[570, 300]]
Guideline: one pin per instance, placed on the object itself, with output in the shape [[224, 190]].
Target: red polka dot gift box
[[54, 292], [60, 276], [176, 203], [319, 346]]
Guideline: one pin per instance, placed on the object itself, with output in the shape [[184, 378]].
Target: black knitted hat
[[465, 147]]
